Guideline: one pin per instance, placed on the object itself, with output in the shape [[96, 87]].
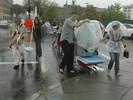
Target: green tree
[[38, 4], [17, 10], [45, 8], [112, 13], [103, 15], [33, 4], [91, 12], [115, 13], [50, 10]]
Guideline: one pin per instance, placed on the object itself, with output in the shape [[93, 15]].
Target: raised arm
[[82, 22], [104, 38]]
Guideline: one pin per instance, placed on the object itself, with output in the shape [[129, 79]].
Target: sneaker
[[72, 72], [22, 61], [117, 74], [61, 71], [16, 67]]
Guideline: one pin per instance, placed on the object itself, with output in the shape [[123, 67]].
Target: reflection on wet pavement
[[38, 73], [36, 79], [30, 66], [18, 84]]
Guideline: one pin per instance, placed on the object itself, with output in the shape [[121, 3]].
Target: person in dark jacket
[[37, 36]]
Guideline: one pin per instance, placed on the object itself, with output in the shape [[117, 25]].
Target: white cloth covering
[[88, 35], [114, 44]]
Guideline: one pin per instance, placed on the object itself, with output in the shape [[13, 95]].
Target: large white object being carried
[[88, 36]]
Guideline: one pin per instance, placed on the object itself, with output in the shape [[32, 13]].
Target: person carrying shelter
[[67, 41]]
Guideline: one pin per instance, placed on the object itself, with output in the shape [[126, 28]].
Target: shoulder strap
[[19, 27]]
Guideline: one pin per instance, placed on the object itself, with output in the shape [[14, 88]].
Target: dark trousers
[[68, 57], [114, 59], [38, 46]]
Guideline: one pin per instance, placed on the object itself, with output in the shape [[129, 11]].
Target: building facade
[[128, 11], [5, 6]]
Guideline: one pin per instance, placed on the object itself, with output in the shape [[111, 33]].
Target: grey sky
[[96, 3]]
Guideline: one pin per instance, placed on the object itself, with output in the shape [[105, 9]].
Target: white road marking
[[7, 63], [126, 59]]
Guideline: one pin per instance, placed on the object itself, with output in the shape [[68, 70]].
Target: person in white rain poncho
[[115, 31]]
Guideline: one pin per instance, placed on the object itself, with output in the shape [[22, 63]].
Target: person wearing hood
[[115, 31]]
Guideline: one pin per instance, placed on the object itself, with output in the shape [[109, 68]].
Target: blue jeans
[[115, 58]]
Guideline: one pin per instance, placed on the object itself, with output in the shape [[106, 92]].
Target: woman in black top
[[37, 36]]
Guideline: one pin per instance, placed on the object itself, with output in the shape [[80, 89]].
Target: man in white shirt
[[17, 45]]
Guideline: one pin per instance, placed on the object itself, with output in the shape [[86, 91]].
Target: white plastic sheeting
[[88, 35], [114, 44]]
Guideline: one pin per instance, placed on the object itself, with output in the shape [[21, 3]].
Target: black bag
[[126, 54]]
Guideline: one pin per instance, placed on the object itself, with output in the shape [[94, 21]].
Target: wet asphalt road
[[33, 76]]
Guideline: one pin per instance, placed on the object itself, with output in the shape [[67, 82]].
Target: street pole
[[29, 7]]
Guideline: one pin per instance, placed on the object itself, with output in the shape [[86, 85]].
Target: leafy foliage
[[114, 12], [49, 10], [17, 9], [90, 12]]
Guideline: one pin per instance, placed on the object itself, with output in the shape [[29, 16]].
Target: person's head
[[74, 15], [115, 25], [54, 23], [37, 20], [18, 21], [43, 21], [46, 20]]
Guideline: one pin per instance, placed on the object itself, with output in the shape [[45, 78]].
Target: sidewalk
[[92, 87]]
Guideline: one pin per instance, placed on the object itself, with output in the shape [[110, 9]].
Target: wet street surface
[[41, 80], [32, 76]]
